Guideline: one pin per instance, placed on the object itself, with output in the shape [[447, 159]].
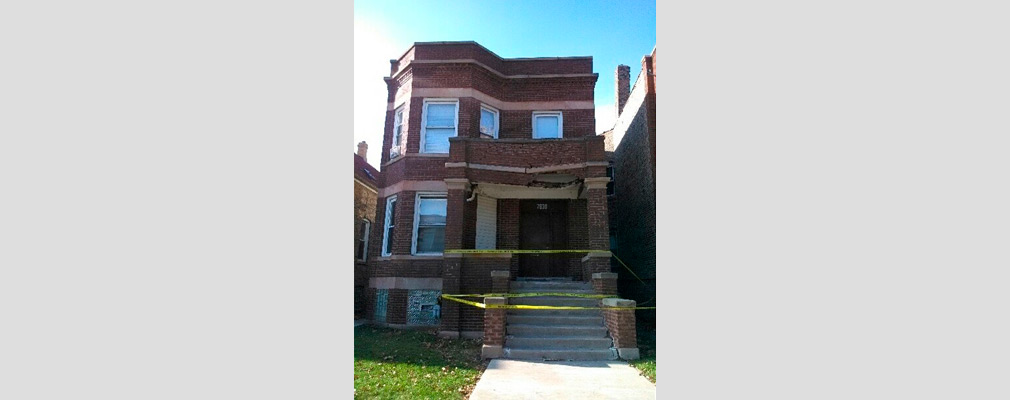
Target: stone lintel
[[602, 253], [628, 353], [614, 302], [448, 334], [488, 351]]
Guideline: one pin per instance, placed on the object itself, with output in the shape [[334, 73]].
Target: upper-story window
[[438, 124], [488, 122], [547, 124], [396, 148]]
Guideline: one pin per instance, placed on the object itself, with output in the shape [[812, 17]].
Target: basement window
[[547, 124], [488, 122], [429, 224]]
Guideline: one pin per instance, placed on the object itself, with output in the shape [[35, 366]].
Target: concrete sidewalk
[[582, 380]]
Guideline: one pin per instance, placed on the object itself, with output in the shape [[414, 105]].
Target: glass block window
[[381, 300]]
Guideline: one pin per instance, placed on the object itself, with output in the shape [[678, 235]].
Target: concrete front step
[[556, 330], [554, 286], [555, 301], [560, 354], [556, 313], [533, 319], [559, 342], [538, 290]]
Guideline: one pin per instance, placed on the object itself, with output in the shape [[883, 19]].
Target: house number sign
[[541, 206]]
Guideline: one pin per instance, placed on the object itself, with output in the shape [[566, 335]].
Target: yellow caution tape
[[500, 251], [581, 295], [517, 251], [533, 307]]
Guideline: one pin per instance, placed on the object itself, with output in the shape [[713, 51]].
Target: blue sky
[[613, 32]]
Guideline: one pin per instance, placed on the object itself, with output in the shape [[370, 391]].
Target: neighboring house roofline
[[365, 173]]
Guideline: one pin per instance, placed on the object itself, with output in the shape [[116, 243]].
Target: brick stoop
[[556, 334]]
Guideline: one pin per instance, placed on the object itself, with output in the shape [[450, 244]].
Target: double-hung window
[[387, 236], [488, 122], [438, 124], [429, 223], [547, 124], [395, 149], [362, 250]]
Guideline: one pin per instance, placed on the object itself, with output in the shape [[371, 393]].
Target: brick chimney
[[363, 150], [622, 89]]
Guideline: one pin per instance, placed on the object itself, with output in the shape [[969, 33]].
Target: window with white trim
[[387, 235], [438, 124], [396, 148], [429, 223], [488, 122], [361, 252], [547, 124]]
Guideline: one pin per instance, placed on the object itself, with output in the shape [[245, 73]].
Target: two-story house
[[483, 152]]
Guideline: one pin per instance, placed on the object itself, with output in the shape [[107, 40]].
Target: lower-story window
[[429, 224]]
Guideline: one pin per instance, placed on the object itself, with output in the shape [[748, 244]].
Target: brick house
[[366, 190], [633, 198], [483, 152]]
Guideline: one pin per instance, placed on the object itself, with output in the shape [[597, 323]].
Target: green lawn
[[405, 364], [647, 349]]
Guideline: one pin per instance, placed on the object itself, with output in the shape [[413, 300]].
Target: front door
[[543, 226]]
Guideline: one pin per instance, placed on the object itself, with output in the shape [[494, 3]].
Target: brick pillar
[[621, 325], [454, 212], [500, 281], [453, 263], [605, 283], [450, 285], [494, 329], [597, 219], [598, 228]]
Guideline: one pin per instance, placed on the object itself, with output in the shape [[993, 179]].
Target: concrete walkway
[[582, 380]]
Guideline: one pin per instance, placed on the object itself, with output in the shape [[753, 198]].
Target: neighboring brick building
[[633, 212], [487, 153], [366, 180]]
